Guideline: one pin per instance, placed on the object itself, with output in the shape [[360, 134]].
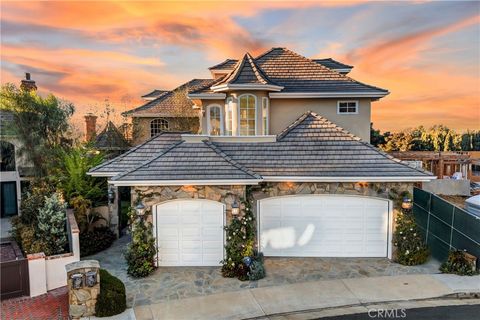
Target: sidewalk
[[260, 302]]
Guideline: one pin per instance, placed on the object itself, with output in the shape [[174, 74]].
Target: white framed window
[[247, 116], [265, 115], [157, 126], [347, 107], [229, 117], [214, 120]]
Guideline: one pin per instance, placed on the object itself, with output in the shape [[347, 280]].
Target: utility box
[[83, 281]]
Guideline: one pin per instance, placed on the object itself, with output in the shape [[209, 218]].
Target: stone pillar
[[113, 208], [83, 282]]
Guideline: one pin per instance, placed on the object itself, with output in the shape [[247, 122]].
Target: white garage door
[[189, 232], [324, 226]]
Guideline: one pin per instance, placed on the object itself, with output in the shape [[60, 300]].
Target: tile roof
[[172, 103], [228, 64], [246, 72], [154, 94], [111, 139], [296, 74], [189, 161], [332, 64], [311, 147], [138, 154]]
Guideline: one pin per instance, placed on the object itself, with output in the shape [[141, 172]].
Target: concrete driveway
[[174, 283]]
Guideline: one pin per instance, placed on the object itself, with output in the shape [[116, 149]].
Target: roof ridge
[[227, 158], [268, 51], [259, 73], [172, 146], [299, 120], [223, 62]]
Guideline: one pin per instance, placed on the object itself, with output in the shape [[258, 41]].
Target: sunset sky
[[426, 53]]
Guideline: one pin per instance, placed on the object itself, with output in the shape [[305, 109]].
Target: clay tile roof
[[154, 94], [228, 64], [332, 64], [246, 72], [173, 103]]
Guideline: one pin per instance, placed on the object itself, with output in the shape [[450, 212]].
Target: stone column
[[83, 282]]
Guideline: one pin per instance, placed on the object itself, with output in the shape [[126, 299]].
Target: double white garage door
[[190, 232]]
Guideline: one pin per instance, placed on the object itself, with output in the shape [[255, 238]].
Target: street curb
[[453, 296]]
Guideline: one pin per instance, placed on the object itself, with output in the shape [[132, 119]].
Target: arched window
[[157, 126], [247, 115], [214, 120], [229, 117], [7, 156]]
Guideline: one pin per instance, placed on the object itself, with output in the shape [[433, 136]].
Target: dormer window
[[247, 114], [347, 107], [214, 120], [229, 117]]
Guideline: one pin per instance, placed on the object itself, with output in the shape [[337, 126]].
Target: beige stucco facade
[[283, 112], [141, 126]]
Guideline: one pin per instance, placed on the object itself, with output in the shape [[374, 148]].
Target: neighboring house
[[296, 134], [15, 172], [110, 140], [166, 111]]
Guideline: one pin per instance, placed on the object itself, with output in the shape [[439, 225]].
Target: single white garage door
[[189, 232], [324, 226]]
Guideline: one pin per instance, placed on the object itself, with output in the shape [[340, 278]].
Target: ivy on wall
[[242, 259]]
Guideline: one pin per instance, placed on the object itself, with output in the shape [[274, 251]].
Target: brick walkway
[[52, 305]]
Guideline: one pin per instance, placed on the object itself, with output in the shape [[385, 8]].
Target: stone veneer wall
[[224, 194]]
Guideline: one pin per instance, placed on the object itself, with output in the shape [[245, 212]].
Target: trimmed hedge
[[96, 240], [112, 299]]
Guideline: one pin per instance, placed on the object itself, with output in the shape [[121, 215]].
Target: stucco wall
[[282, 112], [141, 126]]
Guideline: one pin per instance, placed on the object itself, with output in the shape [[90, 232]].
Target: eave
[[425, 178], [228, 87], [207, 96], [294, 95], [133, 183]]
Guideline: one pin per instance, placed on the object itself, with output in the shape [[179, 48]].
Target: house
[[15, 171], [291, 133], [166, 111], [110, 140]]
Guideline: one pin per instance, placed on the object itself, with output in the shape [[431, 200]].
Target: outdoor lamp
[[407, 203], [140, 209], [235, 208], [111, 194]]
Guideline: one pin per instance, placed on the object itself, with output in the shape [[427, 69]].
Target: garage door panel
[[190, 233], [317, 226]]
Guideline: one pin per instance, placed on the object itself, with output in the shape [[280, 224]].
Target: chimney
[[91, 126], [28, 84]]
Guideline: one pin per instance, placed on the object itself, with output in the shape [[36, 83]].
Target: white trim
[[207, 95], [228, 105], [209, 128], [390, 214], [102, 174], [349, 179], [347, 101], [290, 95], [134, 183], [347, 70], [158, 115], [226, 87], [266, 125], [239, 106]]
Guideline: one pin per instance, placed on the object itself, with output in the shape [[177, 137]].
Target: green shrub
[[457, 263], [96, 240], [26, 236], [141, 250], [112, 299], [257, 268], [407, 238], [52, 219]]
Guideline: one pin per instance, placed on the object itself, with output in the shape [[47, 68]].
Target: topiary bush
[[457, 263], [99, 239], [52, 222], [112, 299]]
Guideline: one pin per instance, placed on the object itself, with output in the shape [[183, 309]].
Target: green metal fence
[[445, 226]]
